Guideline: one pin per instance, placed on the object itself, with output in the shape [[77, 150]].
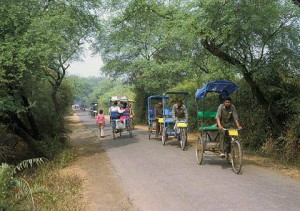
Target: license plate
[[233, 132], [182, 124]]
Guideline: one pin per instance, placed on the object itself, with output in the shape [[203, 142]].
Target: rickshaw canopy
[[157, 97], [177, 92], [223, 87]]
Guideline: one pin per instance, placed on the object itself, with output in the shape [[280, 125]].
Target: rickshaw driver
[[226, 115], [158, 112], [179, 112]]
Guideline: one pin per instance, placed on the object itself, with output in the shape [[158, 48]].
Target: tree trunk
[[31, 143], [30, 117]]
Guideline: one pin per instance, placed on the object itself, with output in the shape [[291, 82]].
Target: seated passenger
[[125, 111], [113, 110]]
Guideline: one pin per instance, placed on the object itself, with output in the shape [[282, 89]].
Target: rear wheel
[[200, 150], [236, 153]]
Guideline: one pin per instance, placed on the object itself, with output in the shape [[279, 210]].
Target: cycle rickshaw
[[209, 133], [169, 127], [93, 110], [120, 122], [152, 122]]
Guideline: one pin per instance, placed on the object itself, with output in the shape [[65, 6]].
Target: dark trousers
[[157, 127], [225, 141]]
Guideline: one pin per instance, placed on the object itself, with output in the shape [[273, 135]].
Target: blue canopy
[[223, 87]]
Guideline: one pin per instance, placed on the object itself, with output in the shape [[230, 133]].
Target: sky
[[88, 66]]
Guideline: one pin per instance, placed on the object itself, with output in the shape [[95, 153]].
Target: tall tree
[[37, 37]]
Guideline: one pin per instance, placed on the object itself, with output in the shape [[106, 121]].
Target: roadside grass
[[61, 189], [254, 158], [287, 168]]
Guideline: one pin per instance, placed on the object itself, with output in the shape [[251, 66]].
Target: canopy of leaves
[[37, 41]]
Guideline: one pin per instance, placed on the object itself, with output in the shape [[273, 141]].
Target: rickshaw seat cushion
[[151, 112], [207, 128], [168, 112], [125, 113], [207, 114], [168, 120]]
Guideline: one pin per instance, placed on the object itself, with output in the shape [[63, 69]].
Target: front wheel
[[183, 138], [130, 129], [149, 132], [163, 137], [236, 152], [200, 150]]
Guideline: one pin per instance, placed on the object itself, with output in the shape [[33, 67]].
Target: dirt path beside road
[[102, 189]]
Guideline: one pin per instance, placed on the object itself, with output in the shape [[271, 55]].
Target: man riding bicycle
[[179, 112], [158, 112], [226, 117]]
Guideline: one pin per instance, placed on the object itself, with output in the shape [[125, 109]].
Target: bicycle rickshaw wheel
[[183, 138], [150, 130], [236, 153], [200, 150], [114, 133], [164, 137], [130, 129]]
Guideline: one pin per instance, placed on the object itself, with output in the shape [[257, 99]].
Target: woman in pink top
[[100, 121]]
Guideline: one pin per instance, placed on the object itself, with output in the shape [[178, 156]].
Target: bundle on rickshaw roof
[[118, 98], [223, 87]]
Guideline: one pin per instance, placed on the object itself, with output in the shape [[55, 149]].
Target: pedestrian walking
[[100, 122]]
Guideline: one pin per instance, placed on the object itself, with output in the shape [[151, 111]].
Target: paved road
[[157, 177]]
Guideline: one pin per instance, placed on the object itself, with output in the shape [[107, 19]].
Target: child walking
[[100, 121]]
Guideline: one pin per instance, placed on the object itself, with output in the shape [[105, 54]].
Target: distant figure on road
[[100, 122]]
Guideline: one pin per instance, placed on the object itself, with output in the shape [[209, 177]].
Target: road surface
[[157, 177]]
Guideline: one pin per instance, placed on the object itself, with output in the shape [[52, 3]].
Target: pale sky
[[89, 66]]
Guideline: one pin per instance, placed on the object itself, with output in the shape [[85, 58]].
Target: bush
[[15, 191], [50, 147]]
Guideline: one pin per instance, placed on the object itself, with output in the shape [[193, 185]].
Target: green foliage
[[51, 146], [92, 89], [160, 45], [37, 42], [15, 191]]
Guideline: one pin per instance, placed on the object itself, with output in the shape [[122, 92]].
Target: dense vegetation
[[38, 40], [161, 45], [148, 47], [92, 89]]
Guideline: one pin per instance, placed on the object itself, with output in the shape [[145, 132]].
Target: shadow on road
[[214, 160]]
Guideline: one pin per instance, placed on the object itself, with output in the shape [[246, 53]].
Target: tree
[[37, 40], [256, 39]]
